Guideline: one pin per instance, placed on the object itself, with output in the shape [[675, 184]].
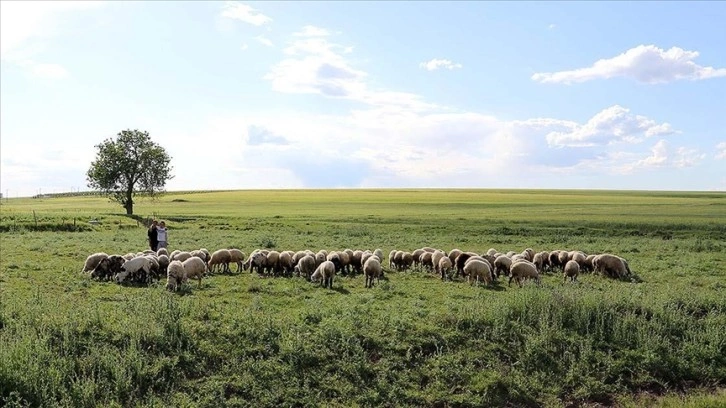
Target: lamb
[[306, 266], [219, 257], [93, 260], [611, 266], [445, 265], [372, 270], [477, 270], [194, 268], [522, 270], [138, 269], [325, 273], [571, 270], [174, 275]]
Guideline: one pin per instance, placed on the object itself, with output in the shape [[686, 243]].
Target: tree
[[129, 165]]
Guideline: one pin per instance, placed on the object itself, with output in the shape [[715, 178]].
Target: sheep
[[108, 267], [406, 260], [325, 273], [477, 270], [521, 270], [398, 260], [587, 266], [335, 259], [492, 251], [305, 266], [417, 257], [427, 260], [133, 269], [173, 254], [538, 261], [372, 269], [154, 266], [207, 255], [257, 260], [578, 257], [93, 260], [502, 264], [129, 256], [571, 270], [162, 251], [194, 268], [563, 257], [461, 260], [435, 258], [390, 258], [163, 264], [199, 254], [219, 257], [453, 254], [367, 254], [529, 254], [237, 257], [611, 266], [321, 257], [174, 275], [379, 253], [445, 265], [181, 256]]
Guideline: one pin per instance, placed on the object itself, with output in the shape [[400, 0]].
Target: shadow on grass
[[341, 290]]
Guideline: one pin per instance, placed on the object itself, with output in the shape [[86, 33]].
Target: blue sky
[[618, 95]]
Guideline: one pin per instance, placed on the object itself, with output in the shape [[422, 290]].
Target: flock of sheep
[[180, 266]]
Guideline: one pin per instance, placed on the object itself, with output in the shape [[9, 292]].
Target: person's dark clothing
[[153, 240]]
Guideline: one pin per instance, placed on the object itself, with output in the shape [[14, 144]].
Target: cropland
[[242, 340]]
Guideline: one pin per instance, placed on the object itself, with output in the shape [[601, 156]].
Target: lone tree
[[129, 165]]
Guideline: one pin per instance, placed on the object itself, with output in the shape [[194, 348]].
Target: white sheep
[[445, 265], [372, 269], [220, 257], [522, 270], [180, 256], [236, 257], [93, 260], [305, 266], [571, 270], [611, 266], [325, 273], [174, 275], [132, 268], [478, 270], [194, 268]]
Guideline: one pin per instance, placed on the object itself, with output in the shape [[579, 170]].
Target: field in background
[[242, 340]]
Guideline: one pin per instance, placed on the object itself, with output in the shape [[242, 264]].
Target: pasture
[[412, 340]]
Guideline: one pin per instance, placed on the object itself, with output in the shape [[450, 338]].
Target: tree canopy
[[129, 165]]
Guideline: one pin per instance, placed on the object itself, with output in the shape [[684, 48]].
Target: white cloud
[[244, 13], [434, 64], [552, 26], [26, 25], [662, 155], [244, 47], [612, 125], [264, 40], [721, 151], [644, 63], [312, 31]]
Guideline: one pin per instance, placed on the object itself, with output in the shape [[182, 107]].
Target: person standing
[[152, 233], [161, 235]]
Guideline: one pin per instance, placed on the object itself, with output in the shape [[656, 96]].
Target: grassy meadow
[[246, 341]]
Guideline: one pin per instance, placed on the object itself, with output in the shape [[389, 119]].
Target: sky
[[354, 94]]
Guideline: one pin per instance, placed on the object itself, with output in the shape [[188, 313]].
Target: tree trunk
[[129, 204]]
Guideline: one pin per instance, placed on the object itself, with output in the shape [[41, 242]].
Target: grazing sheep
[[587, 266], [345, 261], [502, 264], [435, 258], [335, 259], [108, 267], [492, 251], [445, 265], [390, 258], [379, 253], [571, 270], [199, 254], [181, 256], [417, 257], [427, 260], [611, 266], [372, 269], [207, 255], [154, 266], [320, 257], [284, 263], [555, 260], [305, 266], [273, 257], [163, 264], [194, 268], [578, 257], [173, 254], [453, 254], [461, 260], [478, 270], [325, 273], [563, 257], [522, 270], [529, 254], [538, 261], [162, 251], [220, 257], [297, 257], [137, 269], [398, 260], [257, 260], [174, 275], [93, 260], [237, 257], [406, 260], [129, 256]]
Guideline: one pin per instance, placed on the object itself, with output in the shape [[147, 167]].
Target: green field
[[658, 339]]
